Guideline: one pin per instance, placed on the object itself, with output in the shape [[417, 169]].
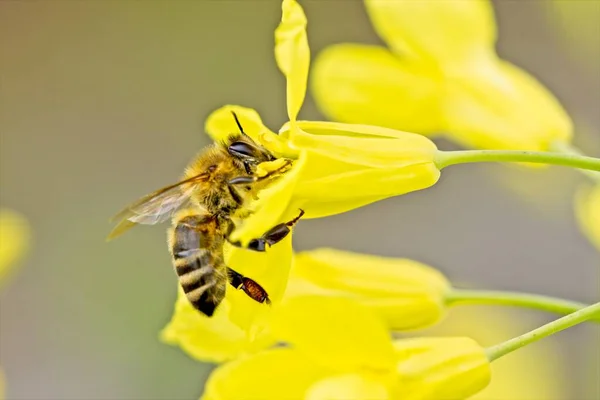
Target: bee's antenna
[[237, 121]]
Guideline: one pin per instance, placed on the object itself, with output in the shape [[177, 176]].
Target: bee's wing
[[155, 207]]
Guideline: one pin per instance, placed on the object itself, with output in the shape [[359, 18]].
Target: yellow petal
[[440, 368], [588, 213], [270, 269], [335, 332], [213, 339], [292, 54], [14, 240], [348, 387], [440, 32], [500, 106], [270, 375], [369, 85], [405, 293]]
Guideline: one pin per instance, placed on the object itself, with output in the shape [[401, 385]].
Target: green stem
[[492, 297], [585, 314], [444, 159], [567, 148]]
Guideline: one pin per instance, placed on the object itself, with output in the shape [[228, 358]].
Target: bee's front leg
[[273, 236], [246, 180]]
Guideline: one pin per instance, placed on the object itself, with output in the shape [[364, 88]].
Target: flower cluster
[[331, 331]]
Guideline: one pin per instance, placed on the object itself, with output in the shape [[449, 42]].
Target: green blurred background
[[104, 101]]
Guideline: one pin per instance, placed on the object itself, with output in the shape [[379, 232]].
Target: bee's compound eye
[[241, 149]]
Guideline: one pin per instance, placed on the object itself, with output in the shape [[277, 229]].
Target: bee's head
[[243, 148]]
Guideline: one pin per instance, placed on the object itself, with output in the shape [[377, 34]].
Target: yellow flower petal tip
[[440, 368], [220, 124], [209, 339], [293, 54], [405, 293], [14, 240], [336, 332], [588, 213]]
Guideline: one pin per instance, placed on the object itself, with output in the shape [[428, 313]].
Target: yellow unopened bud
[[405, 293], [348, 166], [440, 368]]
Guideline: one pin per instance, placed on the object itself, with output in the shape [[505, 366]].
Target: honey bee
[[216, 185]]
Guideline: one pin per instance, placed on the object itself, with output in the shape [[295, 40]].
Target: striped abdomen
[[196, 246]]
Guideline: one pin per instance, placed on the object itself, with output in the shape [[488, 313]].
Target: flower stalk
[[444, 159], [526, 300], [578, 317], [567, 148]]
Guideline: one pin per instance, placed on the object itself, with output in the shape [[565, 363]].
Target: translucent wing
[[155, 207]]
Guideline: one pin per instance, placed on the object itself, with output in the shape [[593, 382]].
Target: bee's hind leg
[[273, 236], [250, 287]]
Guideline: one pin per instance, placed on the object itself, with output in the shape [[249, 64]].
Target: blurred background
[[102, 102]]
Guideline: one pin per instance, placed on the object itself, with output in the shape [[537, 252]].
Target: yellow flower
[[339, 349], [14, 240], [588, 213], [441, 74], [404, 293]]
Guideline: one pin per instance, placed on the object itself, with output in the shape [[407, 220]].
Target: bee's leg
[[273, 236], [245, 180], [250, 287]]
